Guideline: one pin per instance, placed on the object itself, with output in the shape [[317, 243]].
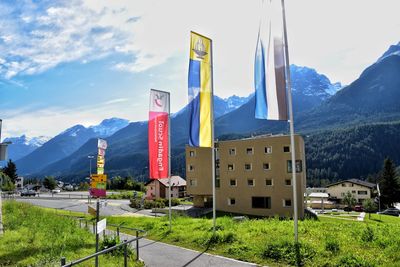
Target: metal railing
[[124, 244]]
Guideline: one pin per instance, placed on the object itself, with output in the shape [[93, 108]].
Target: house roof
[[320, 195], [175, 181], [355, 181]]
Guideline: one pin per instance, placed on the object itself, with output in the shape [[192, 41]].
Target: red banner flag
[[158, 134]]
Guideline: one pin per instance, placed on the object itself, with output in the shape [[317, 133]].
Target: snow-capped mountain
[[393, 50], [23, 145], [66, 143], [109, 126]]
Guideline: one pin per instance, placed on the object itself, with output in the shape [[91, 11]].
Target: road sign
[[101, 225]]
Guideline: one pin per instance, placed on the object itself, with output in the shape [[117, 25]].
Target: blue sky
[[81, 61]]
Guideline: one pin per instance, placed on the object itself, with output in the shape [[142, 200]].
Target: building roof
[[253, 137], [355, 181], [175, 181], [320, 195]]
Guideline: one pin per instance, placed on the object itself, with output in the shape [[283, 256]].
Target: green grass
[[325, 242], [40, 237], [124, 194]]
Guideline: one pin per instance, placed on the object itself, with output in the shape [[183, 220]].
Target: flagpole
[[212, 141], [292, 143], [169, 160]]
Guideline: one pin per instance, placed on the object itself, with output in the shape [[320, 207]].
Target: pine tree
[[388, 184], [11, 171]]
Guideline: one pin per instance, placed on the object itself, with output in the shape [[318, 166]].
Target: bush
[[289, 252], [332, 245], [353, 261], [368, 235], [135, 203], [110, 241]]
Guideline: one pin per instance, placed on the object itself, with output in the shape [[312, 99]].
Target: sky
[[72, 62]]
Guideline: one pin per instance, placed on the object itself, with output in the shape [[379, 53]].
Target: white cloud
[[34, 121]]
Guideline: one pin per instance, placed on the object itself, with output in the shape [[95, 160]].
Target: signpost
[[101, 226]]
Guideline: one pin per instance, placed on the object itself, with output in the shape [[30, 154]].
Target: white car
[[56, 191]]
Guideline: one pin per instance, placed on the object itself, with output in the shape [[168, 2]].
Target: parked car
[[56, 191], [390, 211], [28, 193], [347, 208], [358, 208]]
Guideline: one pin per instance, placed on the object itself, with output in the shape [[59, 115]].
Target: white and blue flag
[[269, 66]]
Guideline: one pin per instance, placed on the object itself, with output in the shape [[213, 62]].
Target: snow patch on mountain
[[28, 141], [109, 126]]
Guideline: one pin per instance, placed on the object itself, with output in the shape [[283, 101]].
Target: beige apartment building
[[361, 190], [253, 175]]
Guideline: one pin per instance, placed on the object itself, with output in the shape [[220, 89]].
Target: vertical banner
[[270, 68], [200, 91], [98, 182], [158, 135]]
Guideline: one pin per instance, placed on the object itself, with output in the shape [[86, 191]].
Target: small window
[[266, 166], [353, 191], [362, 192], [287, 202], [299, 166], [342, 194], [288, 181], [247, 166], [232, 182], [286, 149], [250, 182], [191, 167], [268, 149], [232, 151], [249, 151], [261, 202], [343, 185], [193, 182], [231, 167], [192, 153], [268, 182], [231, 201]]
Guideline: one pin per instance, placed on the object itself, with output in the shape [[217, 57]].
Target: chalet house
[[158, 188], [360, 190]]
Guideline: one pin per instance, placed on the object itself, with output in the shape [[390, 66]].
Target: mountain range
[[23, 145], [322, 110]]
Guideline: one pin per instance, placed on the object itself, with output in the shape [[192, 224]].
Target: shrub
[[135, 203], [367, 235], [354, 261], [332, 245], [289, 252]]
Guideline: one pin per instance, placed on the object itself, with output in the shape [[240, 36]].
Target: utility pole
[[3, 156], [97, 235]]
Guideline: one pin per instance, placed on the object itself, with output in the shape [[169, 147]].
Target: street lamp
[[90, 157]]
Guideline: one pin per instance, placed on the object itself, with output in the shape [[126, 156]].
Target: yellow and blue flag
[[200, 91]]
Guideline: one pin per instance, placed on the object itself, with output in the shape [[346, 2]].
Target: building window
[[192, 153], [266, 166], [247, 166], [231, 167], [362, 192], [342, 194], [343, 185], [261, 202], [299, 166], [250, 182], [249, 151], [353, 191], [268, 182], [232, 182], [286, 149], [232, 151], [191, 167], [193, 182], [268, 149], [231, 201], [217, 182], [287, 202], [288, 181]]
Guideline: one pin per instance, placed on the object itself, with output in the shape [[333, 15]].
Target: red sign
[[158, 134]]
